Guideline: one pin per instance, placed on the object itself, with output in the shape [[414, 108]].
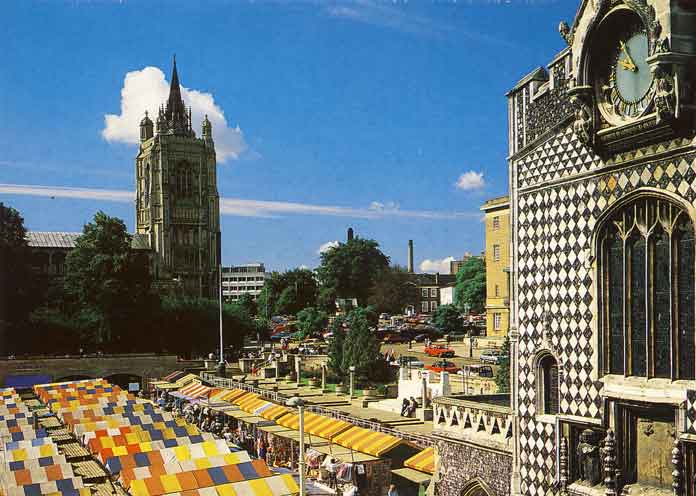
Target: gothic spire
[[175, 112]]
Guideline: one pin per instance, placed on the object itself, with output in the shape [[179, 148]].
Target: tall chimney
[[350, 234], [410, 256]]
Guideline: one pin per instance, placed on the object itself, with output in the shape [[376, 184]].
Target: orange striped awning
[[251, 403], [274, 412], [317, 425], [228, 395], [367, 441], [423, 461]]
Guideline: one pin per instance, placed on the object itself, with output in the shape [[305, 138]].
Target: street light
[[221, 364], [297, 402], [352, 375]]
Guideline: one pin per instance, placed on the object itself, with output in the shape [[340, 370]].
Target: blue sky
[[336, 114]]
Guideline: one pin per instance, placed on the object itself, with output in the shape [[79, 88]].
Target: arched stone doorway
[[476, 488]]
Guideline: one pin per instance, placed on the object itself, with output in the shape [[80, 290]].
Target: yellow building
[[497, 212]]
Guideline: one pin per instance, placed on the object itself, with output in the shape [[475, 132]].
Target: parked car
[[478, 370], [410, 361], [419, 338], [439, 350], [443, 366], [394, 338], [492, 356]]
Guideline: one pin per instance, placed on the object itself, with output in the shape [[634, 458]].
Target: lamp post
[[221, 363], [297, 402], [351, 369]]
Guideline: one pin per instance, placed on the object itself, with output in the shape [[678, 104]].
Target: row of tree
[[105, 302]]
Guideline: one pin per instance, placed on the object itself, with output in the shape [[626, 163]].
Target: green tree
[[247, 304], [335, 352], [17, 297], [502, 375], [110, 281], [288, 293], [470, 292], [361, 348], [311, 321], [352, 268], [392, 291], [448, 319], [191, 326]]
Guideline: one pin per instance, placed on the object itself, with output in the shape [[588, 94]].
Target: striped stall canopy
[[137, 473], [197, 479], [36, 475], [174, 376], [243, 397], [317, 425], [251, 402], [227, 395], [423, 461], [272, 412], [179, 383], [367, 441], [278, 485], [36, 462], [143, 460], [30, 453], [193, 391], [70, 486]]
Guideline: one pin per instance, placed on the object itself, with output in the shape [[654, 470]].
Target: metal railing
[[420, 440]]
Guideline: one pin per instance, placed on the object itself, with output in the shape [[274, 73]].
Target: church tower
[[177, 202]]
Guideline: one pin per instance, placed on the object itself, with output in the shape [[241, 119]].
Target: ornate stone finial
[[665, 94], [610, 464], [563, 466], [565, 32], [677, 472]]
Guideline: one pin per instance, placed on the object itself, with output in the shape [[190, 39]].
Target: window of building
[[424, 292], [497, 321], [433, 292], [424, 307], [433, 306], [548, 385], [646, 270], [496, 253], [497, 290], [496, 223]]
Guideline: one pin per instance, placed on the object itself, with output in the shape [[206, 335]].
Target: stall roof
[[228, 395], [367, 441], [423, 461], [309, 439], [274, 429], [345, 454], [243, 397], [273, 412], [412, 475]]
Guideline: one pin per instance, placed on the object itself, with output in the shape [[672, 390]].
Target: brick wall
[[461, 463]]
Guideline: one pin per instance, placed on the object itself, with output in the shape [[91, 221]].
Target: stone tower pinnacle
[[177, 120]]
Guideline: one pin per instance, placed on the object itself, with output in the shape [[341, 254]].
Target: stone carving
[[677, 475], [589, 457], [565, 32], [563, 466], [584, 118], [665, 94], [647, 14]]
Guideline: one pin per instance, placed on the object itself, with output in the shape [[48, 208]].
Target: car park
[[394, 339], [410, 361]]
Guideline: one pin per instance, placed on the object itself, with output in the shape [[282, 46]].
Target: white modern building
[[238, 280]]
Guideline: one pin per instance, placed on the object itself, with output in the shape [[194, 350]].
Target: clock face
[[623, 81]]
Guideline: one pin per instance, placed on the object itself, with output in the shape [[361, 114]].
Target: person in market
[[261, 448], [330, 465], [392, 490], [404, 407]]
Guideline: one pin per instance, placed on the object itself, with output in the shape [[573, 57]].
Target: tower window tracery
[[646, 297]]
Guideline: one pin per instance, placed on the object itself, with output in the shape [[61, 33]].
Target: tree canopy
[[393, 290], [109, 281], [361, 348], [287, 293], [470, 292], [502, 375], [448, 319], [352, 268], [335, 352], [311, 321]]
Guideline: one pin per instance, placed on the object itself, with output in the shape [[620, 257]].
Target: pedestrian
[[404, 407], [392, 490], [410, 344], [413, 406]]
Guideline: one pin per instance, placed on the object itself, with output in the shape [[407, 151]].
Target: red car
[[440, 351], [443, 366]]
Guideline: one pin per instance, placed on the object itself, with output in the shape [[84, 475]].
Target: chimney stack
[[410, 256], [350, 234]]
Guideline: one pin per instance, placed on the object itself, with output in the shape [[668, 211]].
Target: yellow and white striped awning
[[423, 461], [367, 441]]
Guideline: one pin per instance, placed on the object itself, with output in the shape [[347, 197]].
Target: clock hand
[[628, 56], [629, 66]]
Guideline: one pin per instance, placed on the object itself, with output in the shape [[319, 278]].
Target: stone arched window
[[475, 487], [646, 290], [547, 385]]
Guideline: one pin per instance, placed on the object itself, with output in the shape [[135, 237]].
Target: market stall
[[413, 479]]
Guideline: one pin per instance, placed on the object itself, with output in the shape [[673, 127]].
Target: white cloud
[[147, 89], [470, 181], [240, 207], [442, 266], [384, 207], [327, 246]]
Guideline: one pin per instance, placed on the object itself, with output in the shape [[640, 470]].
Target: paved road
[[461, 358]]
